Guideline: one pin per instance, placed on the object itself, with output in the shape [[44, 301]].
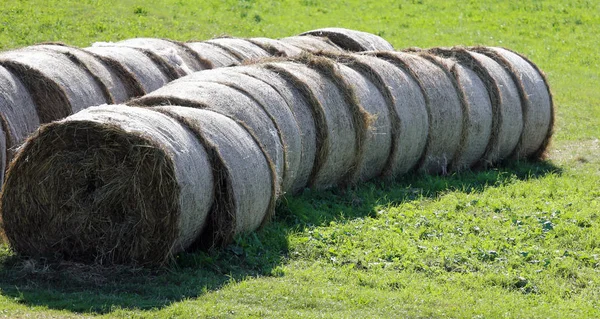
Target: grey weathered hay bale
[[58, 86], [146, 73], [536, 100], [244, 180], [111, 184], [372, 110], [336, 153], [217, 56], [241, 48], [178, 54], [273, 104], [507, 116], [227, 101], [477, 112], [276, 47], [117, 82], [18, 110], [298, 102], [352, 40], [312, 44], [406, 108], [443, 108]]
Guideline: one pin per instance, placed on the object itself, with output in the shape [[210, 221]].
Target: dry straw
[[244, 198], [58, 85], [276, 48], [113, 185], [312, 44], [507, 118], [536, 100], [147, 74], [242, 49], [273, 104], [217, 56], [477, 112], [352, 40], [443, 108]]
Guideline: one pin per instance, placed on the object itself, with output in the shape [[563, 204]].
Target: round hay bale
[[276, 47], [18, 110], [227, 101], [536, 100], [117, 82], [146, 73], [312, 44], [4, 154], [444, 110], [59, 87], [108, 185], [336, 151], [178, 54], [352, 40], [477, 112], [244, 187], [273, 104], [217, 56], [405, 107], [296, 97], [241, 48], [507, 116]]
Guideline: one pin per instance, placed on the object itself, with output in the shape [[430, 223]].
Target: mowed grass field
[[520, 241]]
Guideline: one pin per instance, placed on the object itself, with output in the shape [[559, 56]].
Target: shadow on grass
[[89, 289]]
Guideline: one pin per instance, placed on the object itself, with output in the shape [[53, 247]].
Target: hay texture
[[244, 188], [507, 116], [443, 108], [143, 68], [58, 85], [406, 109], [477, 112], [336, 135], [242, 49], [352, 40], [17, 111], [177, 54], [113, 185], [276, 47], [297, 99], [312, 44], [536, 101], [228, 101], [217, 56], [273, 104]]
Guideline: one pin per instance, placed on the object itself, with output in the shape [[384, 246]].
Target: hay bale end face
[[114, 185], [352, 40]]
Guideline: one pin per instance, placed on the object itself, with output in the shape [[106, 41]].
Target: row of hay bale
[[207, 156], [47, 82]]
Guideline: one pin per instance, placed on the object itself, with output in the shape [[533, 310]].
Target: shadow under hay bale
[[536, 100], [114, 185], [217, 56], [244, 198], [477, 112], [18, 111], [242, 49], [312, 44], [507, 116], [336, 136], [176, 53], [352, 40], [59, 87], [227, 101], [276, 47], [273, 104], [444, 110], [147, 74], [298, 102]]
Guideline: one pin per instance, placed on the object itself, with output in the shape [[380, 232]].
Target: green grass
[[521, 241]]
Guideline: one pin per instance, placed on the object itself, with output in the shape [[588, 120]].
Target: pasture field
[[519, 241]]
